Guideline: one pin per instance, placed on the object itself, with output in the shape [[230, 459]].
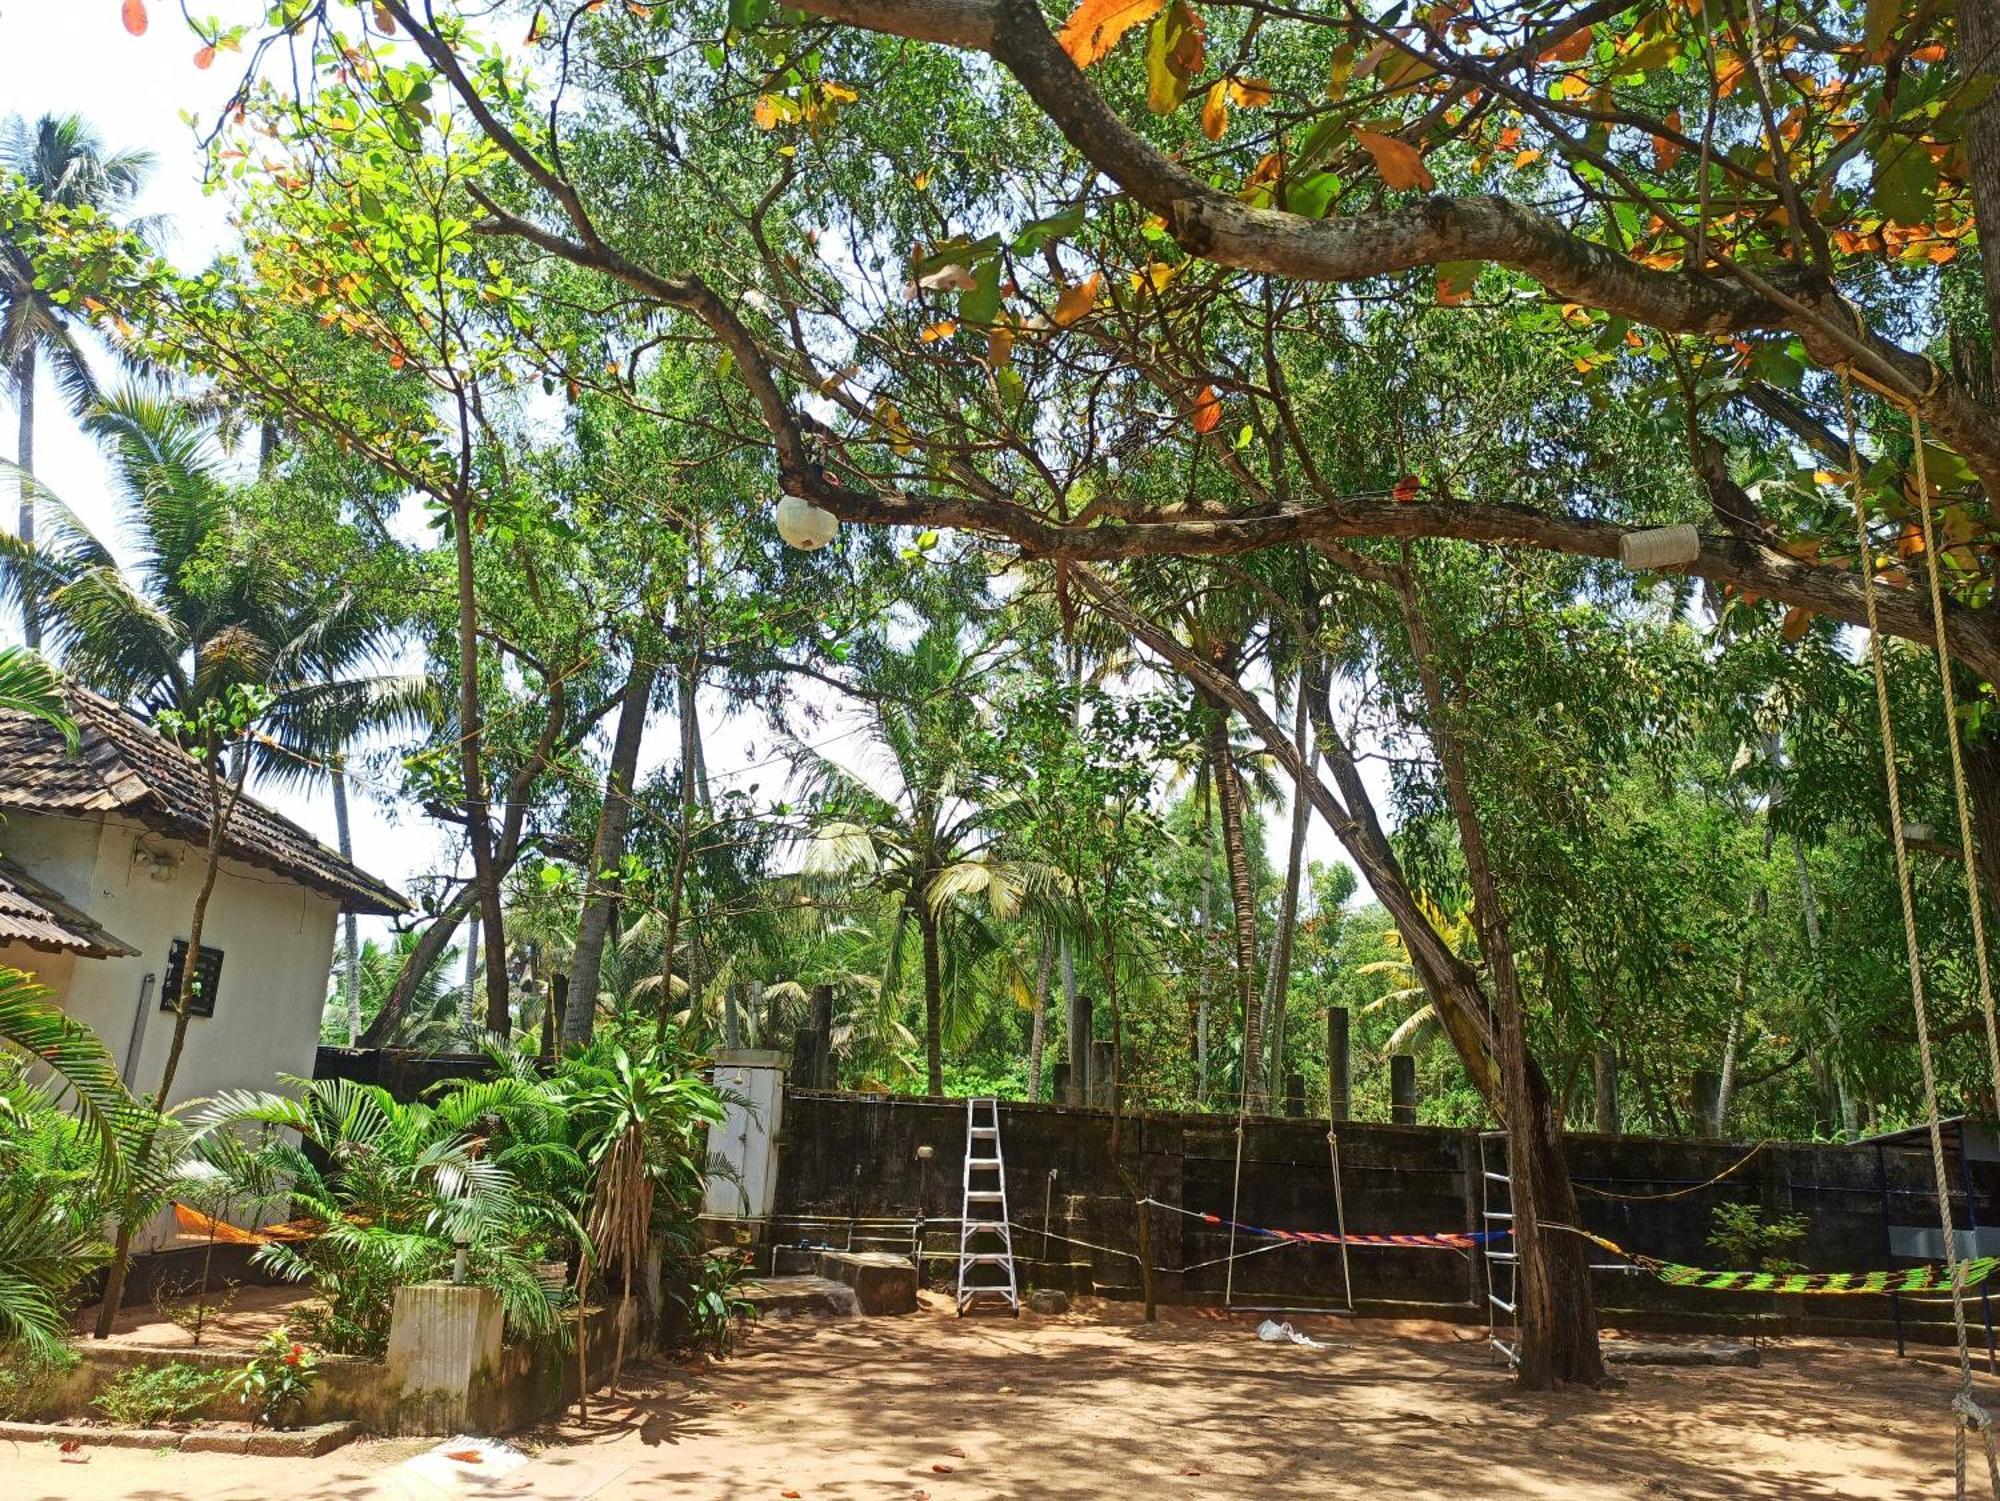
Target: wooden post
[[1339, 1091], [1403, 1089]]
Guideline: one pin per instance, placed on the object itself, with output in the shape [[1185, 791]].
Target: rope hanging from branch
[[1967, 1412]]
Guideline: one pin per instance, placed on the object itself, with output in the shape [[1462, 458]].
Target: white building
[[102, 852]]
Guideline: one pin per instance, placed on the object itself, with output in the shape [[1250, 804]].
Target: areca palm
[[63, 162]]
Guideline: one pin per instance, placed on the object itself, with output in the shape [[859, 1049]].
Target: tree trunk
[[468, 998], [350, 925], [471, 759], [1558, 1323], [423, 958], [1978, 23], [221, 810], [24, 399], [1039, 1029], [1278, 982], [1243, 902], [927, 929], [688, 675], [600, 900], [1205, 983]]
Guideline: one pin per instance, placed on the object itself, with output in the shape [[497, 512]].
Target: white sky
[[75, 56]]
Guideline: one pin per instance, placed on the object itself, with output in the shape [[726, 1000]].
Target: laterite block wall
[[851, 1157]]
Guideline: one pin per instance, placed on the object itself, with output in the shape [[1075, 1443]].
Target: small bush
[[277, 1378], [157, 1396], [1749, 1242]]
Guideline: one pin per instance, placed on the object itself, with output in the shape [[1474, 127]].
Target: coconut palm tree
[[199, 613], [928, 844], [63, 162]]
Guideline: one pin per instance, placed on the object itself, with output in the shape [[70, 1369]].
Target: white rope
[[1964, 1407]]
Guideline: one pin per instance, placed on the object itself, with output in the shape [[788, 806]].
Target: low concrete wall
[[510, 1388], [850, 1158]]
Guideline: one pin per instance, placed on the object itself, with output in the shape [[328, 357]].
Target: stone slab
[[883, 1282], [291, 1443], [1706, 1352], [1048, 1301], [800, 1297]]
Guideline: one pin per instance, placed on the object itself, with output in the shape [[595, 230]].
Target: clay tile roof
[[124, 766], [33, 914]]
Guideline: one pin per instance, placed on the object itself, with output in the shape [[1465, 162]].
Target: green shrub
[[30, 1377], [156, 1396], [1747, 1241]]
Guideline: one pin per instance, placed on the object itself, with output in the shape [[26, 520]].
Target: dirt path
[[1103, 1407]]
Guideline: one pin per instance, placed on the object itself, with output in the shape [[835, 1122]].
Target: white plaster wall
[[275, 935]]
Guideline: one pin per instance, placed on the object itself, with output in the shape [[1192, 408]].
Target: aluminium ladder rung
[[983, 1217]]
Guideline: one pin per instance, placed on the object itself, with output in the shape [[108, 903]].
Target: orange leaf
[[789, 1495], [384, 22], [1570, 48], [133, 13], [938, 331], [466, 1456], [1400, 163], [940, 1469], [1527, 158], [999, 348], [204, 58], [1407, 489], [1251, 93], [1215, 110], [1510, 138], [1207, 410], [1077, 301], [1095, 26], [1797, 618]]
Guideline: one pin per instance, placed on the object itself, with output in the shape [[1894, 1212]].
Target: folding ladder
[[1496, 1212], [985, 1240]]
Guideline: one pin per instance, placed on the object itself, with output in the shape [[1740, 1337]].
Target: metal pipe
[[138, 1028]]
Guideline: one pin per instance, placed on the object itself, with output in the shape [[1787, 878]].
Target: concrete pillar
[[1295, 1093], [1059, 1085], [1605, 1068], [1082, 1027], [444, 1351], [1403, 1089], [812, 1050], [1339, 1089], [1103, 1069], [1707, 1100]]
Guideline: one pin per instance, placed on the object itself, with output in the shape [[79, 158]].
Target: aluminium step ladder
[[985, 1238]]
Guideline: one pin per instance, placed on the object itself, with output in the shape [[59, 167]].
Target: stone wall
[[846, 1160]]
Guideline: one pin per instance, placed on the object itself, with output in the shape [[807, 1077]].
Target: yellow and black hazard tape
[[1933, 1278]]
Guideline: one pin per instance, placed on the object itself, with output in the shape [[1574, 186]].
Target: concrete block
[[800, 1297], [883, 1282], [444, 1343], [1706, 1352], [1048, 1301]]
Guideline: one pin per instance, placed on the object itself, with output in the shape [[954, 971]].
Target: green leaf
[[982, 303], [1310, 195], [1906, 185]]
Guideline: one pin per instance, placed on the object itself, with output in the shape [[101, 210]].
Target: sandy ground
[[252, 1312], [1099, 1405]]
